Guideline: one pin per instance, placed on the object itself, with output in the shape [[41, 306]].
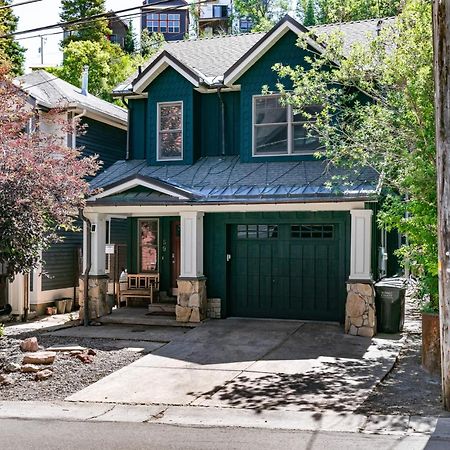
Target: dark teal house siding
[[108, 142], [61, 263], [217, 245], [261, 74], [137, 128], [170, 86], [209, 130]]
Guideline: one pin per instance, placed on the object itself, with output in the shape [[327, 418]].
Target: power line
[[112, 19], [98, 16], [19, 4]]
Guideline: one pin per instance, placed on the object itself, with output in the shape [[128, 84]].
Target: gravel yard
[[69, 373]]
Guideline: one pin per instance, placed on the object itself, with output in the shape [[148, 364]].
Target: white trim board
[[260, 49], [167, 210], [157, 69], [130, 184]]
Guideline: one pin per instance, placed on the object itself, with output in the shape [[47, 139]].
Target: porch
[[153, 264]]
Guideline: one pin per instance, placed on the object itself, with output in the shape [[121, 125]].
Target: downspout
[[74, 133], [222, 118], [127, 104], [88, 267]]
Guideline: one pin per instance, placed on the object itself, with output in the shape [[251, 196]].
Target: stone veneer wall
[[98, 288], [360, 315], [191, 300], [213, 309]]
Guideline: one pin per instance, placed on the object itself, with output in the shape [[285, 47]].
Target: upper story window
[[220, 11], [163, 23], [278, 130], [170, 131]]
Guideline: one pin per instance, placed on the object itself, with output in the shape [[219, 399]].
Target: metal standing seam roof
[[227, 180], [211, 57], [52, 92]]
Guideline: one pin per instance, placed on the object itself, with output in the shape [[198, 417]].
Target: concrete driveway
[[257, 364]]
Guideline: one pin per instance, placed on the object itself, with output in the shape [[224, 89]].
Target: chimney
[[85, 80]]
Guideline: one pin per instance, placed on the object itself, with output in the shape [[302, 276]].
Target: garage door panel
[[294, 272]]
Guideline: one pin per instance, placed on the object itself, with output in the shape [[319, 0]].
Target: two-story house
[[105, 135], [223, 196]]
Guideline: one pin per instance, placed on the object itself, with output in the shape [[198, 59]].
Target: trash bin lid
[[392, 282]]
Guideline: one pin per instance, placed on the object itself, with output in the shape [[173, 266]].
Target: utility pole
[[441, 44]]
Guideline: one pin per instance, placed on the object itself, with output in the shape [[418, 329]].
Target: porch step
[[162, 308]]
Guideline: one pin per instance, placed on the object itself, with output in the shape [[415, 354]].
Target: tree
[[263, 13], [330, 11], [150, 43], [108, 66], [310, 15], [11, 52], [378, 113], [130, 40], [42, 182], [94, 30]]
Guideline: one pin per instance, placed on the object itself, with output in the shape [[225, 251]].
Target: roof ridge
[[210, 38], [351, 22]]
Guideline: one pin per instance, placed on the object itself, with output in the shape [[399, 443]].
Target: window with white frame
[[170, 131], [279, 130]]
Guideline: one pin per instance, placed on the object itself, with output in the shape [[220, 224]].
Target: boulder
[[6, 380], [11, 367], [39, 358], [43, 375], [29, 345], [30, 368], [85, 358]]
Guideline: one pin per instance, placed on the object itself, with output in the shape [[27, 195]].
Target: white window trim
[[158, 130], [290, 125]]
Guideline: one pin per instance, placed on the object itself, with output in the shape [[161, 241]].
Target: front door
[[175, 253]]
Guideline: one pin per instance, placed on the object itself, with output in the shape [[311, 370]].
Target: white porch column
[[191, 244], [98, 243], [361, 245]]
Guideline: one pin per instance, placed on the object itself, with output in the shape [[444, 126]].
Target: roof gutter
[[127, 104]]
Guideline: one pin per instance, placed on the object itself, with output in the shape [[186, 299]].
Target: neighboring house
[[223, 196], [170, 18], [119, 29], [105, 136], [214, 17]]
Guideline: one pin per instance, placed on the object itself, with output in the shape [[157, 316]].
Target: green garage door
[[287, 271]]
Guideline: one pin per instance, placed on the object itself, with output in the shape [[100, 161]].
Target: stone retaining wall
[[360, 315]]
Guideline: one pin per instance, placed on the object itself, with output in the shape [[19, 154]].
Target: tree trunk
[[441, 42]]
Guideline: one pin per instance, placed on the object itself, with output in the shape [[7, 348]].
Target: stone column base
[[191, 300], [360, 315], [97, 290]]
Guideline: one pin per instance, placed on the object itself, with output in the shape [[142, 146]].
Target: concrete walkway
[[264, 365]]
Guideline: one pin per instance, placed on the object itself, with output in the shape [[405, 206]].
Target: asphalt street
[[51, 435]]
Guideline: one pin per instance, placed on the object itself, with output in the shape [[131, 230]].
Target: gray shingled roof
[[227, 180], [208, 57], [52, 92], [211, 57]]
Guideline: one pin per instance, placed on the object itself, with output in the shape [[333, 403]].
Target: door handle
[[173, 258], [228, 257]]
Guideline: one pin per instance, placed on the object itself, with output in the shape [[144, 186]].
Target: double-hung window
[[170, 131], [279, 130]]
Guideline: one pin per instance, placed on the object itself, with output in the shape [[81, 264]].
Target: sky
[[46, 12]]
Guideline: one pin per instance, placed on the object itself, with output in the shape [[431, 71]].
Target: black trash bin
[[390, 304]]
